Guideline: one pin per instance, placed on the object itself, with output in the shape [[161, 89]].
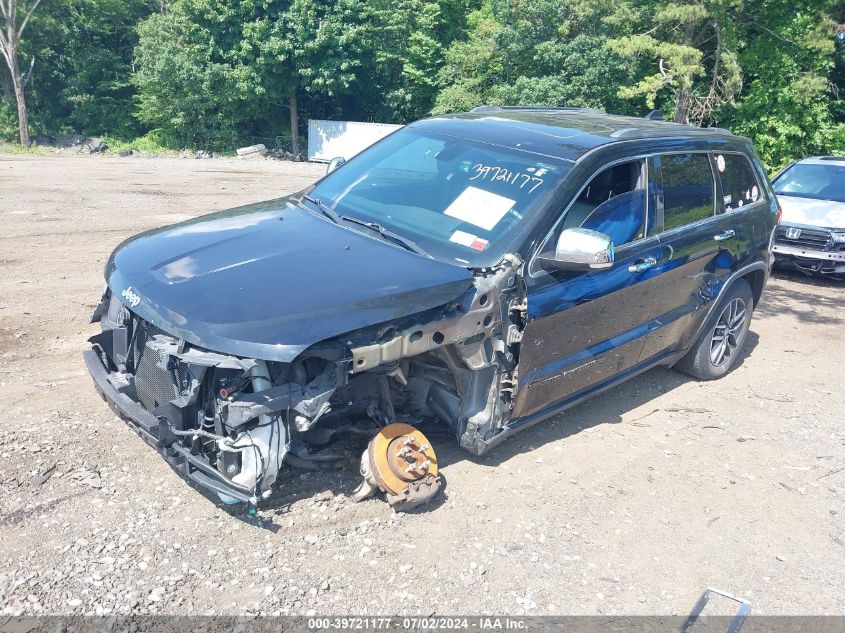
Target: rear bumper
[[151, 429]]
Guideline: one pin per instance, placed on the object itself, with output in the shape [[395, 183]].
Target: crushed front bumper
[[825, 262], [154, 432]]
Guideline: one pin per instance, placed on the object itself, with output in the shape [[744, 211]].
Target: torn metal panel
[[476, 318], [308, 402], [473, 346], [239, 417]]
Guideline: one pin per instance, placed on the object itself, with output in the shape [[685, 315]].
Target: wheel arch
[[757, 280], [752, 274]]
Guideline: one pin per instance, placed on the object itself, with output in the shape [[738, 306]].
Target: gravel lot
[[631, 503]]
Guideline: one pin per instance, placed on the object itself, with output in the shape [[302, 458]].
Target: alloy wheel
[[726, 334]]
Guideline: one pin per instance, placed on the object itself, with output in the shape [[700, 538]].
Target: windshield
[[461, 201], [807, 180]]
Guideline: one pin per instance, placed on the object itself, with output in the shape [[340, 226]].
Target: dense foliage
[[216, 74]]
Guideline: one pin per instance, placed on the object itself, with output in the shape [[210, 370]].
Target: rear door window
[[688, 189], [739, 182]]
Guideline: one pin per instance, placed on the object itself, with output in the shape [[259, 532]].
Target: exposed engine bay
[[231, 423]]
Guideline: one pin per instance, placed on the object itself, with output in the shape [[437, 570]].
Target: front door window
[[613, 203]]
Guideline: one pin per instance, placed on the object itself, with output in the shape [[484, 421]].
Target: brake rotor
[[404, 465]]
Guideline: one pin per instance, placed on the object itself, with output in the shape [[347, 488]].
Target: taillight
[[779, 214]]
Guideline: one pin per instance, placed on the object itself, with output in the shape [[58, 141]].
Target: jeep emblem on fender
[[793, 234], [132, 298]]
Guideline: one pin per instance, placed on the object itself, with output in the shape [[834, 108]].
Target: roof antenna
[[654, 115]]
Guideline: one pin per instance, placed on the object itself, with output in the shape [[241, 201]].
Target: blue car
[[480, 272]]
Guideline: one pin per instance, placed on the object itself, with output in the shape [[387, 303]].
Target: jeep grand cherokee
[[481, 271]]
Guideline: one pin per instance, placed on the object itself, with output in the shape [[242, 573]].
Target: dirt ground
[[631, 503]]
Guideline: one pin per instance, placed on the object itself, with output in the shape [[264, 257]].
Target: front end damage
[[230, 423]]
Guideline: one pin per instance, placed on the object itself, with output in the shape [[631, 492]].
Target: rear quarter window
[[740, 186]]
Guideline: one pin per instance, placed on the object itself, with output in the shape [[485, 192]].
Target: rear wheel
[[717, 349]]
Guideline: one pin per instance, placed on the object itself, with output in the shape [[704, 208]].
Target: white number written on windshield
[[492, 173]]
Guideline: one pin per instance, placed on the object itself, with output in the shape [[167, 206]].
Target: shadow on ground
[[799, 302], [33, 511]]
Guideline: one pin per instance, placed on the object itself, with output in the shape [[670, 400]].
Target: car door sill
[[667, 358]]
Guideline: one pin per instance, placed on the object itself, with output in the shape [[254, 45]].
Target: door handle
[[725, 235], [642, 265]]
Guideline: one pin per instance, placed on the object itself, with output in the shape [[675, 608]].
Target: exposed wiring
[[196, 433], [237, 385]]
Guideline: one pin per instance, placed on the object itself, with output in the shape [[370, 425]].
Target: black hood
[[271, 279]]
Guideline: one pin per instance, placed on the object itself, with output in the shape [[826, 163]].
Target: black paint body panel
[[271, 279], [585, 330]]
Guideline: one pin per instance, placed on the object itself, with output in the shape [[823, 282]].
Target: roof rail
[[500, 108], [831, 157], [633, 131], [718, 130]]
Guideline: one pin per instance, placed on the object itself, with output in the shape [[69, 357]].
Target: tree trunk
[[6, 85], [9, 41], [682, 107], [19, 95], [294, 124]]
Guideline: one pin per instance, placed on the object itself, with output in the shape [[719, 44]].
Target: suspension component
[[400, 461]]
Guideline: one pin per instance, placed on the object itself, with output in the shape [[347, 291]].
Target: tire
[[718, 347]]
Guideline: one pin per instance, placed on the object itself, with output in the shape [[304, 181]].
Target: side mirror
[[580, 250], [334, 163]]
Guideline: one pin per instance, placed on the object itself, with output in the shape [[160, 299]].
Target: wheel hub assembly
[[400, 461]]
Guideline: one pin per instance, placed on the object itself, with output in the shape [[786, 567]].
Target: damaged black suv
[[482, 271]]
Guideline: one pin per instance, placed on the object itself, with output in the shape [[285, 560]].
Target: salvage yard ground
[[630, 503]]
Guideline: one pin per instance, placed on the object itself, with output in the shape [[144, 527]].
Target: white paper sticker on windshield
[[480, 208], [469, 240], [462, 238]]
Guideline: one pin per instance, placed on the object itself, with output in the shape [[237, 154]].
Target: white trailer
[[333, 139]]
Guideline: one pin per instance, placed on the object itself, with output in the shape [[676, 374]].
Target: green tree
[[543, 53], [312, 45], [183, 87], [80, 79], [691, 47], [98, 95], [403, 48], [473, 67], [791, 106], [212, 71], [14, 16]]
